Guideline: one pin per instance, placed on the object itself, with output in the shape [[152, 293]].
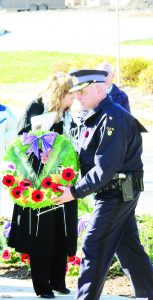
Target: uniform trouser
[[48, 272], [112, 230]]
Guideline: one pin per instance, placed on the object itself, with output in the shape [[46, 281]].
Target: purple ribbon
[[83, 222], [7, 226], [46, 139]]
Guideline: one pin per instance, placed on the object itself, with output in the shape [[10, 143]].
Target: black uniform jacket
[[110, 142], [51, 228]]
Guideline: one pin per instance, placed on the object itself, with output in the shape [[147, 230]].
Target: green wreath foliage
[[63, 157]]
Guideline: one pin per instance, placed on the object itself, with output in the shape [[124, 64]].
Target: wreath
[[26, 187]]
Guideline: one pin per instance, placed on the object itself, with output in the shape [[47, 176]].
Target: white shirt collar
[[110, 89]]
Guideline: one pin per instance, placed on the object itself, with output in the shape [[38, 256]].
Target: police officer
[[110, 148], [116, 94]]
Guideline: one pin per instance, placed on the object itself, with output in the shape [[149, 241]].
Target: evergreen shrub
[[131, 69], [136, 72], [146, 79], [80, 63]]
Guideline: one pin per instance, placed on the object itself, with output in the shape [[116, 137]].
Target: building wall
[[98, 2], [121, 2], [87, 2]]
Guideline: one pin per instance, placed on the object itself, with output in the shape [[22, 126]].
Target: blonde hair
[[57, 86]]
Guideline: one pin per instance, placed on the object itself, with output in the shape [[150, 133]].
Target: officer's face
[[88, 97]]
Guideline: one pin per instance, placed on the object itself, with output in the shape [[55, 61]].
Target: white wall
[[121, 2]]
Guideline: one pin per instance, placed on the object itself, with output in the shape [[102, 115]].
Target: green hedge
[[136, 72], [131, 68], [145, 82], [36, 66], [81, 63]]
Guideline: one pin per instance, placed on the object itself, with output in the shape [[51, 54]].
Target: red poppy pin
[[86, 133]]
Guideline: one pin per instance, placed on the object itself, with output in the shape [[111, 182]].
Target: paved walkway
[[22, 289], [26, 32]]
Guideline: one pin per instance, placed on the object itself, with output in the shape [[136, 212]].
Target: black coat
[[51, 227]]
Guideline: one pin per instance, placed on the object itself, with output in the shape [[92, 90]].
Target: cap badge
[[110, 118]]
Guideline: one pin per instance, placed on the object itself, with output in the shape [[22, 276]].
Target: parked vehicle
[[31, 4]]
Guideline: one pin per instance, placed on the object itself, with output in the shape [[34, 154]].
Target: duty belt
[[109, 188], [117, 176], [121, 179]]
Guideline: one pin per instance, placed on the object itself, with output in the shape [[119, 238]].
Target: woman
[[48, 239]]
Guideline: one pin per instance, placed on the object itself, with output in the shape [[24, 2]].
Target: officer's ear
[[98, 89]]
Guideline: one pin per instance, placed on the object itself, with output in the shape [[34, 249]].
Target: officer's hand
[[65, 197]]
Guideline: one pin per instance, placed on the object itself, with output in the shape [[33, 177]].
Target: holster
[[127, 188], [125, 184]]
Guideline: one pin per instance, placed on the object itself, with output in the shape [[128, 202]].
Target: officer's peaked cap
[[82, 78]]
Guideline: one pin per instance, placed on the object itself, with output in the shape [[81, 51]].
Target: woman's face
[[67, 101]]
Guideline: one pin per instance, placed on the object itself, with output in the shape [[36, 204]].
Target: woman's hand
[[45, 157]]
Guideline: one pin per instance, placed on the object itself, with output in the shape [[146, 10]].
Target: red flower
[[55, 187], [37, 196], [6, 254], [47, 183], [25, 258], [77, 261], [86, 133], [17, 191], [8, 180], [68, 174], [72, 259], [25, 183]]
